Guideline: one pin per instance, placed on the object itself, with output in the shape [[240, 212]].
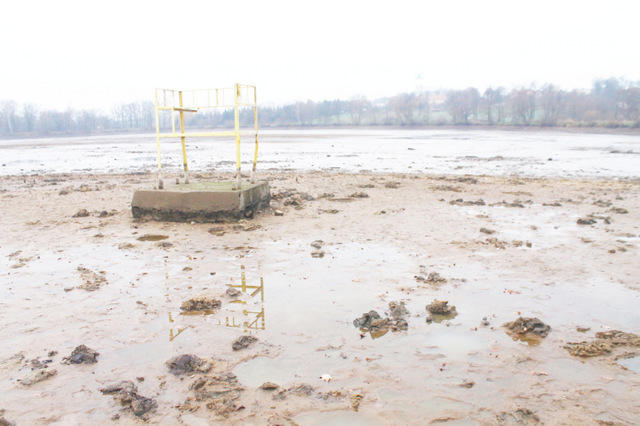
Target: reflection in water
[[251, 319], [528, 338], [172, 334]]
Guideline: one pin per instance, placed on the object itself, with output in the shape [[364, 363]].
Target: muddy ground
[[281, 346]]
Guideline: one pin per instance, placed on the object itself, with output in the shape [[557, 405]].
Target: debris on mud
[[528, 325], [317, 244], [219, 393], [359, 195], [92, 281], [432, 277], [392, 185], [355, 401], [487, 231], [217, 230], [233, 292], [200, 304], [301, 389], [515, 203], [461, 202], [37, 375], [496, 243], [291, 197], [125, 392], [269, 386], [377, 326], [586, 221], [522, 416], [604, 344], [243, 342], [317, 254], [81, 213], [243, 225], [183, 364], [81, 355], [619, 210]]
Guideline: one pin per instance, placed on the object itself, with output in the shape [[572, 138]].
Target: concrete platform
[[201, 202]]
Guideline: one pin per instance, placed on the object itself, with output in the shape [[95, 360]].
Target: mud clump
[[440, 307], [4, 421], [200, 304], [528, 325], [92, 281], [605, 343], [126, 393], [183, 364], [81, 213], [218, 393], [522, 416], [269, 386], [588, 349], [233, 292], [81, 355], [243, 342], [37, 375], [432, 277], [440, 310], [301, 390], [377, 326]]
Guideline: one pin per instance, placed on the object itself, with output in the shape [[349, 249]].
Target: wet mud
[[273, 334]]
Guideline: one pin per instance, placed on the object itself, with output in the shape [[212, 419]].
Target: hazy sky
[[86, 54]]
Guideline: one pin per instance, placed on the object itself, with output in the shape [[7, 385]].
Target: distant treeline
[[610, 103]]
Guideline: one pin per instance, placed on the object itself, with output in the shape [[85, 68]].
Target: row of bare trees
[[610, 102]]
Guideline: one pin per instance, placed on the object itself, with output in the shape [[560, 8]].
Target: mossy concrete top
[[211, 186]]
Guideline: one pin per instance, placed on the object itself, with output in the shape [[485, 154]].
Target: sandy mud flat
[[354, 299]]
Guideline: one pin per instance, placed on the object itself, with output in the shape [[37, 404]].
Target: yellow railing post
[[238, 184], [255, 121], [160, 183], [182, 138]]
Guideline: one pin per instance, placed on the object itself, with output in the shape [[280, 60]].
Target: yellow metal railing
[[181, 101]]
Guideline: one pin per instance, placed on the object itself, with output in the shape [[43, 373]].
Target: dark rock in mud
[[183, 364], [392, 185], [619, 210], [432, 277], [528, 325], [81, 355], [217, 230], [126, 393], [586, 221], [487, 231], [367, 319], [317, 244], [81, 213], [200, 304], [301, 390], [441, 307], [243, 342]]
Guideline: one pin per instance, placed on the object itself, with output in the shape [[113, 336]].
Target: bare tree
[[30, 116], [550, 99], [523, 106], [8, 112]]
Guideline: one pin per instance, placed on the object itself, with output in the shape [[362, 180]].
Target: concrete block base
[[201, 202]]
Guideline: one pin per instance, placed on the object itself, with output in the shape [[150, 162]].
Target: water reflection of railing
[[251, 319]]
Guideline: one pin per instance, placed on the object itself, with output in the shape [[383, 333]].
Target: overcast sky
[[86, 54]]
